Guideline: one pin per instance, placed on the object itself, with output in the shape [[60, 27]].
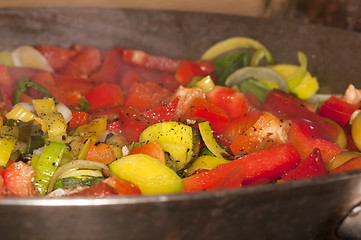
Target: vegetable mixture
[[89, 122]]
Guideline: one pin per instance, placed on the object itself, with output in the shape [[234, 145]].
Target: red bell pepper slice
[[201, 108], [122, 186], [234, 103], [147, 95], [190, 69], [337, 110], [280, 102], [105, 95], [79, 118], [258, 167], [162, 114], [312, 166]]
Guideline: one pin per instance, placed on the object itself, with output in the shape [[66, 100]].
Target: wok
[[309, 209]]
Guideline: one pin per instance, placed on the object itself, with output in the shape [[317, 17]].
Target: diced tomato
[[312, 166], [57, 57], [98, 190], [122, 186], [105, 95], [187, 71], [100, 152], [111, 67], [241, 124], [79, 118], [86, 61], [131, 123], [115, 127], [186, 97], [254, 103], [143, 59], [280, 102], [153, 149], [129, 77], [306, 143], [112, 114], [337, 110], [6, 88], [266, 132], [147, 95], [18, 179], [234, 103], [162, 114], [259, 167], [168, 81], [69, 83], [203, 109]]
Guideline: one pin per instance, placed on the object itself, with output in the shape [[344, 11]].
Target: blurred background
[[338, 13]]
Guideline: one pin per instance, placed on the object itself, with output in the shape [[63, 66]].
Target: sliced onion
[[28, 106], [27, 56], [79, 164], [260, 73], [65, 111]]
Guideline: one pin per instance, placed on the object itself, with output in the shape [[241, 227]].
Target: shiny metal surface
[[310, 209]]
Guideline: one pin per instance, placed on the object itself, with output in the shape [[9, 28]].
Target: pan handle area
[[350, 227]]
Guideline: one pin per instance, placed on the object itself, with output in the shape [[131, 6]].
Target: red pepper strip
[[78, 119], [312, 166], [280, 102], [262, 166], [162, 114], [337, 110], [105, 95]]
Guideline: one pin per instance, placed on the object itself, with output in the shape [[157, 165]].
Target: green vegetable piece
[[225, 66], [84, 105], [294, 80], [210, 142], [24, 84], [73, 182], [6, 59], [255, 87], [47, 164], [149, 174], [174, 137]]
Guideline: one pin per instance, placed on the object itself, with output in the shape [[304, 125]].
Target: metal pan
[[309, 209]]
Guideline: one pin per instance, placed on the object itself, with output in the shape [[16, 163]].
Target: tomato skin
[[153, 149], [162, 114], [234, 103], [105, 95], [57, 57], [122, 186], [98, 190], [78, 119], [311, 166], [240, 124], [83, 63], [18, 179], [337, 110], [111, 68], [280, 102], [203, 109], [258, 167], [147, 95]]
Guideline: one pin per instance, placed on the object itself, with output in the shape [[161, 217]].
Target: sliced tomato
[[187, 71], [100, 152], [111, 68], [98, 190], [337, 110], [254, 103], [203, 109], [305, 143], [258, 167], [57, 57], [71, 84], [265, 133], [105, 95], [186, 97], [234, 103], [312, 166], [147, 95], [122, 186], [280, 102], [79, 118], [162, 114], [168, 81], [237, 126], [153, 149], [83, 63], [129, 77], [143, 59], [18, 179]]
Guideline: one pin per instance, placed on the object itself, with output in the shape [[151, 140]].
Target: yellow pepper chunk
[[22, 114]]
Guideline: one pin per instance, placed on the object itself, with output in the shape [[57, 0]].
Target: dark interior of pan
[[309, 209]]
